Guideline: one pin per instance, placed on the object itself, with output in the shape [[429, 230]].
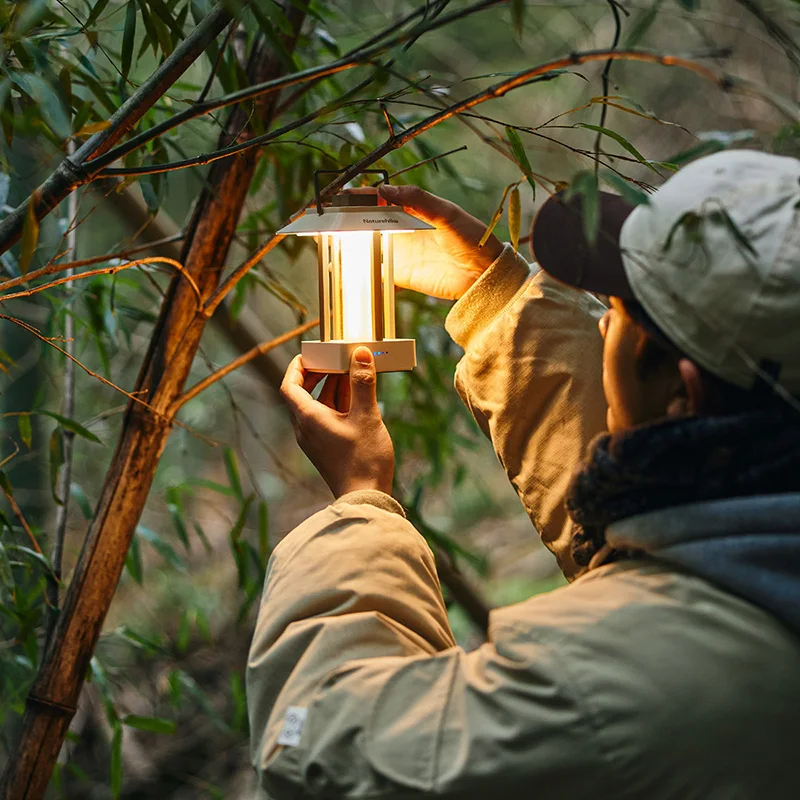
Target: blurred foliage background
[[163, 714]]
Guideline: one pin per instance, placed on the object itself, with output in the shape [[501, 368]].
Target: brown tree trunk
[[145, 430]]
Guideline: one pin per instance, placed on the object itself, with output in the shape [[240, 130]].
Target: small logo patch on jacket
[[293, 723]]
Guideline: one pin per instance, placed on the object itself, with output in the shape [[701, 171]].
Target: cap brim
[[560, 246]]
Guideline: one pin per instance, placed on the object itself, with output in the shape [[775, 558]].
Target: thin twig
[[256, 351], [21, 517], [64, 482], [89, 273], [520, 78], [234, 278], [215, 66], [30, 329], [606, 80], [353, 59], [430, 160]]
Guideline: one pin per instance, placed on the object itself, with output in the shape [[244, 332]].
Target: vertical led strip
[[355, 260], [387, 252]]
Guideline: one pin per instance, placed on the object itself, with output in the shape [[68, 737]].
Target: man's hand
[[442, 263], [342, 433]]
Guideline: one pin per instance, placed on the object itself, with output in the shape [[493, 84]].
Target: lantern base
[[391, 355]]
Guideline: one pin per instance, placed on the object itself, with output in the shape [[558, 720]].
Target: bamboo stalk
[[175, 339]]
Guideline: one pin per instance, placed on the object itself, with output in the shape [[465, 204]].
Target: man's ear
[[695, 399]]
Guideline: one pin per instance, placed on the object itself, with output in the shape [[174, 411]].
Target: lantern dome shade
[[344, 219]]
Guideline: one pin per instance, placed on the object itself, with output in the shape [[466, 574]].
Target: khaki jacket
[[637, 680]]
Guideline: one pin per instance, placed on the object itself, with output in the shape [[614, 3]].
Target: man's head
[[704, 281]]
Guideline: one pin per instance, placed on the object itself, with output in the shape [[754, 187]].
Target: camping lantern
[[356, 279]]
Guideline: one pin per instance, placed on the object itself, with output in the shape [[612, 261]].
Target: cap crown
[[714, 258]]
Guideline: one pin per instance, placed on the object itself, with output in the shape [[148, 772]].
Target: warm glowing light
[[356, 255]]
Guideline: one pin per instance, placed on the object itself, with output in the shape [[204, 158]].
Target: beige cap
[[714, 259]]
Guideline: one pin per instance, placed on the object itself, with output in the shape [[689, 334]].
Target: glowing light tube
[[356, 255]]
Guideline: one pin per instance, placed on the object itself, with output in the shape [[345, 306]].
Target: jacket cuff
[[488, 296], [372, 497]]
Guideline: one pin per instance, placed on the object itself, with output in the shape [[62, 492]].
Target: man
[[670, 666]]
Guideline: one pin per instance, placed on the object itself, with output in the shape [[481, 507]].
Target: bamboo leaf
[[165, 550], [25, 431], [621, 140], [5, 484], [175, 508], [238, 526], [6, 573], [518, 16], [626, 189], [133, 561], [98, 8], [521, 156], [514, 217], [70, 425], [496, 216], [263, 530], [79, 496], [128, 36], [30, 235], [152, 724], [92, 127], [585, 184], [232, 468]]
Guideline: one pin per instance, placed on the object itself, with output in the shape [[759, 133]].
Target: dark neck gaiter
[[678, 461]]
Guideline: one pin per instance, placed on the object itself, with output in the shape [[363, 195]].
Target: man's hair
[[725, 397]]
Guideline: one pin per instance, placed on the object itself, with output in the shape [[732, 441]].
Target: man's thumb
[[362, 380], [423, 204]]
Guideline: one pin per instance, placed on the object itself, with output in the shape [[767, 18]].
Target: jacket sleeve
[[532, 377], [356, 688]]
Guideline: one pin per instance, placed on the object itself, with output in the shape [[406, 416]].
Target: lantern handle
[[318, 172]]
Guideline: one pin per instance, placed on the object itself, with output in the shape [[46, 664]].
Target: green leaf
[[518, 16], [79, 496], [263, 530], [175, 508], [641, 25], [496, 216], [238, 526], [585, 184], [56, 450], [152, 724], [514, 217], [232, 468], [30, 235], [70, 425], [6, 573], [25, 431], [521, 156], [50, 105], [621, 140], [184, 633], [626, 189], [133, 561], [98, 8], [165, 550], [689, 5], [128, 37]]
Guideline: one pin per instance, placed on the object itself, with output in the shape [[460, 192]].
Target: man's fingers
[[425, 205], [293, 390], [328, 394], [362, 382]]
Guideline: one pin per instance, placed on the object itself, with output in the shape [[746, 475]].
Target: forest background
[[112, 266]]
